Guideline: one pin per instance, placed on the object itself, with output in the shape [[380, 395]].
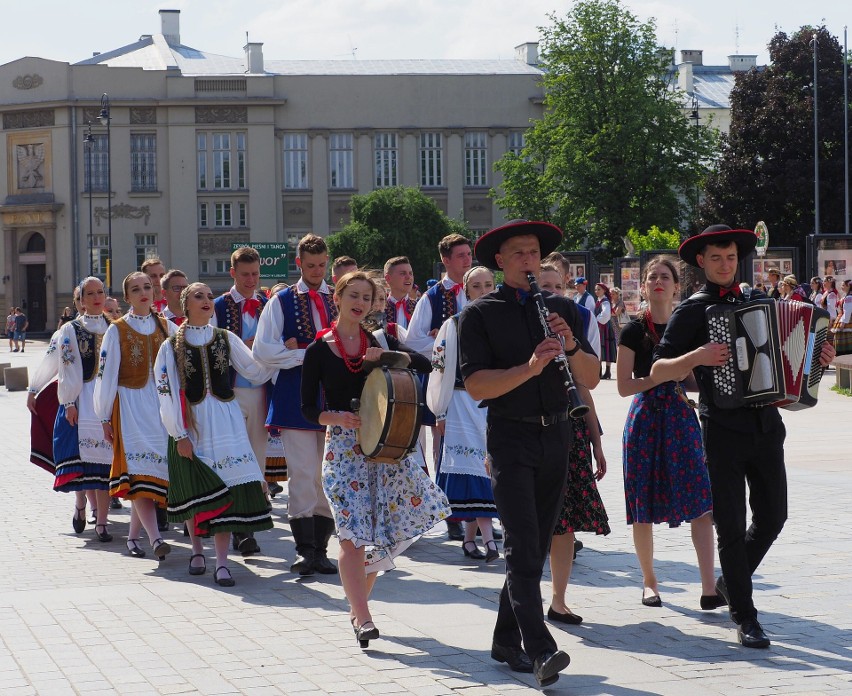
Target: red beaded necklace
[[652, 330], [352, 364]]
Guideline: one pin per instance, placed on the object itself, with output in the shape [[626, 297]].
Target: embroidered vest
[[89, 344], [444, 304], [285, 409], [229, 316], [138, 352], [207, 368], [390, 311]]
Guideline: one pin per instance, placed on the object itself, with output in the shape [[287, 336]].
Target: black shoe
[[79, 523], [652, 601], [722, 589], [246, 544], [305, 538], [568, 618], [712, 601], [275, 488], [161, 549], [455, 531], [473, 552], [491, 552], [197, 570], [103, 535], [115, 504], [516, 658], [303, 565], [548, 665], [578, 546], [226, 581], [324, 566], [750, 634], [94, 520], [162, 520], [134, 549]]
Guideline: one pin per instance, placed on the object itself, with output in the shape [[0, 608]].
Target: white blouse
[[48, 368], [70, 363]]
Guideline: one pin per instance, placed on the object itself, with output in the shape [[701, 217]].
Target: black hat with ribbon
[[745, 240], [488, 245]]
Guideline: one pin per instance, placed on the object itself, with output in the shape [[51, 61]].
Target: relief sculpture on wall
[[30, 165]]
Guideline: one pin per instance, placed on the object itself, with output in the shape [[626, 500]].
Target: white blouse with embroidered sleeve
[[168, 391], [48, 368], [70, 363]]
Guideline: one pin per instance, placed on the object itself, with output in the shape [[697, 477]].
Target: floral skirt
[[582, 509], [381, 506], [276, 462], [665, 474]]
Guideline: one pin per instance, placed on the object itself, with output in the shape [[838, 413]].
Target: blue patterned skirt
[[665, 475]]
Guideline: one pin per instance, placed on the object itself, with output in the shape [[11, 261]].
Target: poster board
[[629, 274]]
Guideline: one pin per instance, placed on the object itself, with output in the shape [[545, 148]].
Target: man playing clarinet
[[742, 445], [507, 361]]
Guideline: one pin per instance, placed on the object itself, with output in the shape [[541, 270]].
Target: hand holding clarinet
[[556, 331]]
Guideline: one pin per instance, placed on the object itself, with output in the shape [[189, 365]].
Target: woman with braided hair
[[215, 480], [665, 475], [126, 404]]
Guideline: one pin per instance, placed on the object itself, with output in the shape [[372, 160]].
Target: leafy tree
[[397, 221], [614, 150], [766, 171], [655, 238]]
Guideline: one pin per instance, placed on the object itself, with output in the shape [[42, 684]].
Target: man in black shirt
[[742, 445], [507, 362]]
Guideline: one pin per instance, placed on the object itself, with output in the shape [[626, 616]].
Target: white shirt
[[589, 302], [268, 348], [400, 319], [606, 313], [421, 321]]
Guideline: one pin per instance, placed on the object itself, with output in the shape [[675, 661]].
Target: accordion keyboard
[[720, 330]]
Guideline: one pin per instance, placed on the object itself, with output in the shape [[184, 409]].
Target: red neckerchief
[[250, 306], [404, 304], [316, 298]]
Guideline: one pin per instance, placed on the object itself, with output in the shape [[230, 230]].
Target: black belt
[[545, 420]]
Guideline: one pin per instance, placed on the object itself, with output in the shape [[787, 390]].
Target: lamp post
[[105, 118], [816, 142], [695, 117], [88, 144]]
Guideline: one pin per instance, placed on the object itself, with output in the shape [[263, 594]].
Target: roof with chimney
[[165, 52]]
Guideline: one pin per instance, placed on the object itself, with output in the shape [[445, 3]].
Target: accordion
[[775, 349]]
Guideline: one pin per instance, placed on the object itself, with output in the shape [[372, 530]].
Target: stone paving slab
[[80, 617]]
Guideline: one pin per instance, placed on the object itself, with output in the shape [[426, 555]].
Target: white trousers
[[304, 450], [253, 407]]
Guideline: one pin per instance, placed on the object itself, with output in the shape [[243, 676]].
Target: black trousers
[[734, 459], [528, 475]]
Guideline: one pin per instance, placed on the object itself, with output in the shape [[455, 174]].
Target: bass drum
[[391, 412]]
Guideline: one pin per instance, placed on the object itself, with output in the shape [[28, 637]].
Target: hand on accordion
[[713, 354], [827, 354]]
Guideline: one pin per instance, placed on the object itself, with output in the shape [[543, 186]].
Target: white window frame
[[143, 161], [476, 158], [146, 247], [431, 160], [222, 160], [516, 142], [295, 157], [223, 214], [386, 159], [341, 161], [99, 163], [100, 254]]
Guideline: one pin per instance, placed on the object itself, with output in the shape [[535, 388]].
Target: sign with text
[[273, 258]]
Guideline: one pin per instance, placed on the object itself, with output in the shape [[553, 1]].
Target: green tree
[[397, 221], [766, 170], [613, 150], [655, 238]]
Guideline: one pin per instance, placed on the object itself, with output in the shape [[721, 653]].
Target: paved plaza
[[81, 617]]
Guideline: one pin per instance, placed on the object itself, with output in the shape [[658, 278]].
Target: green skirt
[[197, 493]]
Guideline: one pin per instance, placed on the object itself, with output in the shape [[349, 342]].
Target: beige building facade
[[202, 151]]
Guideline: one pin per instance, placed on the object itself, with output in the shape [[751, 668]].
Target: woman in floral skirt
[[379, 509], [665, 475]]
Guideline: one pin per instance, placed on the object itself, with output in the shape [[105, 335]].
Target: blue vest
[[229, 316], [285, 409], [444, 304]]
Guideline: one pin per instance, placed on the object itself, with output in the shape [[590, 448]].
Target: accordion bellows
[[775, 348]]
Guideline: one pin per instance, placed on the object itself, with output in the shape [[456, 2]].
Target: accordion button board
[[775, 349]]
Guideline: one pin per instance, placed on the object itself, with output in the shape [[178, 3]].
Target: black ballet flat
[[652, 601], [275, 488], [476, 554], [79, 523], [711, 602], [197, 570], [223, 582], [161, 549], [104, 535], [94, 519], [115, 504], [567, 618], [134, 549]]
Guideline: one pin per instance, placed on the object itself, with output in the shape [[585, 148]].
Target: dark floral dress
[[582, 508], [665, 474]]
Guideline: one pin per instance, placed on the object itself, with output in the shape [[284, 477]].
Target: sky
[[383, 29]]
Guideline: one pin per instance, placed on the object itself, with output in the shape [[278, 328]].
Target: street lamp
[[695, 117], [105, 118], [816, 142], [88, 144]]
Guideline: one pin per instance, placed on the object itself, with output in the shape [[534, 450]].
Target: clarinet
[[576, 408]]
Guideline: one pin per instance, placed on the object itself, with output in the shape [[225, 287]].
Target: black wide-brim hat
[[745, 240], [488, 245]]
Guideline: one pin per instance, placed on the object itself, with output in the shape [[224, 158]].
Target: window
[[222, 266], [386, 159], [516, 142], [143, 161], [100, 254], [340, 161], [99, 164], [476, 159], [296, 161], [242, 208], [217, 154], [222, 215], [202, 215], [292, 247], [431, 173], [146, 248], [203, 267]]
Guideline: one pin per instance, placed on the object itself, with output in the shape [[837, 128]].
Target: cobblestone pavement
[[80, 617]]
